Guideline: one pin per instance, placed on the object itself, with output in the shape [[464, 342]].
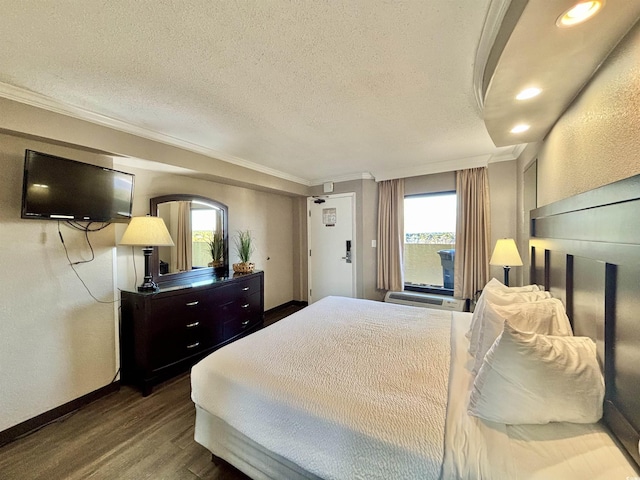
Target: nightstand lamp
[[147, 232], [506, 254]]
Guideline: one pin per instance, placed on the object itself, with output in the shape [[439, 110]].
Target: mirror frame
[[199, 272]]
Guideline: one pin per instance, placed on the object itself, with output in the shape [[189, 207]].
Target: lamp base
[[506, 275], [148, 286]]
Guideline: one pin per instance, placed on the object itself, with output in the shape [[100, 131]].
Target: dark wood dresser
[[166, 332]]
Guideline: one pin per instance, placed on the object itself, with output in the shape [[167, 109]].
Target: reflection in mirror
[[198, 228]]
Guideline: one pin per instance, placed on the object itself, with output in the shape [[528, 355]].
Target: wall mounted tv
[[56, 188]]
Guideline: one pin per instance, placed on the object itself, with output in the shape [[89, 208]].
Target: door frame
[[354, 243]]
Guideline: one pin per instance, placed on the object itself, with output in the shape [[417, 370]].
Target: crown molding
[[344, 178], [37, 100], [508, 155]]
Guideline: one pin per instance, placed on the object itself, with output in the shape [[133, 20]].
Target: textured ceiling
[[308, 90]]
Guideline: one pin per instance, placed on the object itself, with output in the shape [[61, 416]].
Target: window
[[430, 238], [202, 219]]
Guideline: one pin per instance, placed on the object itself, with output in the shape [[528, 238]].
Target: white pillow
[[499, 298], [506, 298], [497, 285], [528, 378], [546, 316]]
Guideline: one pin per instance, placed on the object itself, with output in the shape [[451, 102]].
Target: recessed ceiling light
[[528, 93], [520, 128], [579, 13]]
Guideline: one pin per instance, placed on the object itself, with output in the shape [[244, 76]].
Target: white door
[[332, 255]]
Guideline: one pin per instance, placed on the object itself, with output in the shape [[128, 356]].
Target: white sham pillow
[[498, 286], [506, 298], [529, 378], [546, 316], [498, 298]]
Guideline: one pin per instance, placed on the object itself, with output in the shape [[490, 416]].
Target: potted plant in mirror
[[244, 249], [216, 245]]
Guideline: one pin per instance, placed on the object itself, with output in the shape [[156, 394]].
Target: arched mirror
[[199, 229]]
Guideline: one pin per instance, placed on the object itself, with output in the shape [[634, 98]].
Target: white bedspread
[[376, 411], [475, 449]]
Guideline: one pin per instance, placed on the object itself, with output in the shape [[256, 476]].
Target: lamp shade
[[506, 253], [147, 232]]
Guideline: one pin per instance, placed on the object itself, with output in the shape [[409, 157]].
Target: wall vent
[[428, 300]]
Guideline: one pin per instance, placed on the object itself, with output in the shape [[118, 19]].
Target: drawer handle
[[245, 289], [193, 345], [194, 324], [246, 305], [245, 323], [191, 304]]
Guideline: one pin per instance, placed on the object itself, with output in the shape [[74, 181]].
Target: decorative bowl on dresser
[[164, 333]]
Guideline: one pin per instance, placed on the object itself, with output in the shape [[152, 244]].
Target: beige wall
[[369, 233], [597, 140], [300, 271], [503, 190], [56, 342]]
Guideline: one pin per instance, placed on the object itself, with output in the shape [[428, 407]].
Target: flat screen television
[[56, 188]]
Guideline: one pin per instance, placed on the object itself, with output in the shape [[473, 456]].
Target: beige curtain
[[184, 237], [390, 234], [473, 234]]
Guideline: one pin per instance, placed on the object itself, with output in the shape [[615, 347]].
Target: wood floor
[[121, 436]]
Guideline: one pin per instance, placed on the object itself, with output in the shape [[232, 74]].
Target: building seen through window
[[430, 237]]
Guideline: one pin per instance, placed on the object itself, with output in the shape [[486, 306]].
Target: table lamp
[[506, 254], [147, 232]]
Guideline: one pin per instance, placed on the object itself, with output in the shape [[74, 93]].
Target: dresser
[[164, 333]]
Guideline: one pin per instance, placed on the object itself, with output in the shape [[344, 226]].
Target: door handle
[[347, 256]]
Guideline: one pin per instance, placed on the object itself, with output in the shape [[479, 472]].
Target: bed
[[350, 388]]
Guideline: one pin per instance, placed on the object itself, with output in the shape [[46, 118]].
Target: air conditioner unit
[[417, 299]]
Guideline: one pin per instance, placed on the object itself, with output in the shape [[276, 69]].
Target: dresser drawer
[[239, 290], [180, 326], [240, 315], [173, 314], [168, 349]]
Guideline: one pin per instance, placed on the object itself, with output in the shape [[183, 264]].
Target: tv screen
[[61, 189]]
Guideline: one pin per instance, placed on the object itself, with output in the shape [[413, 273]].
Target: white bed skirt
[[243, 453]]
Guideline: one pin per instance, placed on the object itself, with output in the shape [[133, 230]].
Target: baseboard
[[294, 303], [21, 429]]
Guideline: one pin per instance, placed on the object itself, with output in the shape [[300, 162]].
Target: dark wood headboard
[[586, 251]]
